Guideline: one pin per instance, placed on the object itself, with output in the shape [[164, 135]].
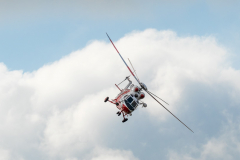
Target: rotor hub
[[143, 86]]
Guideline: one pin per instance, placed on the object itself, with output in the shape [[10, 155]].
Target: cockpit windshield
[[131, 103], [130, 99]]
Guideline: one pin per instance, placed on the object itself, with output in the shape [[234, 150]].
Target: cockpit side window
[[134, 104]]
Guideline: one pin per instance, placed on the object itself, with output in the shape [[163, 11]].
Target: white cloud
[[225, 146], [57, 112], [109, 154], [4, 154], [78, 128]]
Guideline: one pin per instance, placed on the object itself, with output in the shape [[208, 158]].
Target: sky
[[57, 66]]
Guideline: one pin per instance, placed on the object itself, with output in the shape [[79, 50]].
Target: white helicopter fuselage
[[128, 99]]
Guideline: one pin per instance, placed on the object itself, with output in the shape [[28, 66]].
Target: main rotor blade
[[123, 60], [133, 68], [158, 97], [169, 111]]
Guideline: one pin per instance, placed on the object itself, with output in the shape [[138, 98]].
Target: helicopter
[[131, 96]]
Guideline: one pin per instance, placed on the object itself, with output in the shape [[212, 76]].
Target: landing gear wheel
[[124, 120], [118, 113], [117, 104], [106, 99]]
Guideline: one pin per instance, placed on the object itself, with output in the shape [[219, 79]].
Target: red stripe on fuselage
[[125, 109], [123, 93], [117, 100]]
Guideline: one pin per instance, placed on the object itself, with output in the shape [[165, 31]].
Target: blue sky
[[33, 34], [57, 66]]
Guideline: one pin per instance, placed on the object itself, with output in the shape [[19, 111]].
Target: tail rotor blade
[[159, 98], [169, 111]]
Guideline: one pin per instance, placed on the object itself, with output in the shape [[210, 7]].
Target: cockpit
[[131, 103]]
